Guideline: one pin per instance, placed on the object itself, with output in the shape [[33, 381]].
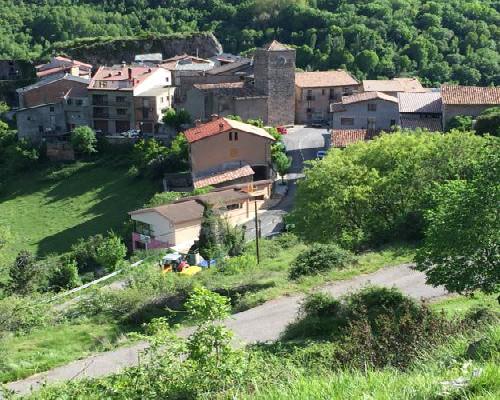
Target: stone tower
[[274, 74]]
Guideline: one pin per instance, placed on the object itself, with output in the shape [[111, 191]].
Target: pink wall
[[153, 244]]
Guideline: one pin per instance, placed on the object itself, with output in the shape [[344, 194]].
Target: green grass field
[[47, 347], [50, 209]]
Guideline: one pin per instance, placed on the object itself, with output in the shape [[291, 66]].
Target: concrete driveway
[[259, 324]]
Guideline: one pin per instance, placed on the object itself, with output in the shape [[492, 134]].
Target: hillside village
[[128, 101], [271, 199]]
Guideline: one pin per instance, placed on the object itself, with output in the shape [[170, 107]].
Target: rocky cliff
[[109, 51]]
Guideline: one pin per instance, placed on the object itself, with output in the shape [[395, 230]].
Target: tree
[[146, 154], [110, 252], [488, 122], [462, 123], [176, 118], [367, 61], [64, 275], [23, 274], [282, 163], [461, 249], [84, 140], [208, 241], [377, 191]]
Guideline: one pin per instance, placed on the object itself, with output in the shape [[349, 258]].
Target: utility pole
[[257, 234]]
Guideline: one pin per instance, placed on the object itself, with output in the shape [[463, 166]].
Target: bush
[[319, 258], [21, 314], [111, 252], [488, 122], [64, 276], [84, 140], [373, 327], [235, 265]]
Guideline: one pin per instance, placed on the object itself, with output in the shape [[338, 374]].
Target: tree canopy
[[456, 40], [377, 192]]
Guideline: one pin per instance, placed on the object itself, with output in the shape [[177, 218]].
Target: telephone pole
[[257, 234]]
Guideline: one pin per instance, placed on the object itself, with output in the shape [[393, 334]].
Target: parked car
[[282, 130], [131, 133], [320, 154]]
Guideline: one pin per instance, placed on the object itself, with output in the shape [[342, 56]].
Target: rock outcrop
[[109, 51]]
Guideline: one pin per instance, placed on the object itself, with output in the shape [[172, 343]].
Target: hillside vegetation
[[456, 40]]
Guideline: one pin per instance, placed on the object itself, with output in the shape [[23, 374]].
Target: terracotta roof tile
[[221, 125], [222, 176], [469, 95], [393, 85], [429, 102], [344, 137], [324, 79]]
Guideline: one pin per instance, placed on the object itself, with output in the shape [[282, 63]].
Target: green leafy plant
[[84, 140], [319, 258]]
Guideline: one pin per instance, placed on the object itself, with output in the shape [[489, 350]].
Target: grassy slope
[[48, 211], [50, 346]]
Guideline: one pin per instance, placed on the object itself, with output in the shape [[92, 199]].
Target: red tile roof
[[470, 95], [221, 125], [344, 137], [223, 176], [324, 79], [121, 73]]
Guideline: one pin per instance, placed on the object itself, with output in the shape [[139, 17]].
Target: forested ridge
[[441, 41]]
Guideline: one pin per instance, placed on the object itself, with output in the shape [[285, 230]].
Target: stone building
[[274, 74], [420, 110], [467, 100], [263, 88], [314, 91], [368, 110], [60, 66], [52, 107]]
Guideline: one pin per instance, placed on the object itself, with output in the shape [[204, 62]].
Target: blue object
[[204, 264]]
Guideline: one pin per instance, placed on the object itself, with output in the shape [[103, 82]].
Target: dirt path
[[259, 324]]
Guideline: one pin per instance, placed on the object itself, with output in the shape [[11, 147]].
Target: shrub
[[110, 252], [286, 240], [21, 314], [488, 122], [23, 274], [235, 265], [319, 258], [63, 276], [373, 327], [84, 140]]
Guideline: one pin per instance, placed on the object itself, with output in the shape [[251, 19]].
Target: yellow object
[[190, 270]]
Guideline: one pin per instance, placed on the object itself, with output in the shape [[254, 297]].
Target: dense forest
[[456, 40]]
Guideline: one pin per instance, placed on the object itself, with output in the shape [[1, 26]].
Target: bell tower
[[274, 76]]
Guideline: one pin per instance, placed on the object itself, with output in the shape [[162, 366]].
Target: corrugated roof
[[360, 97], [222, 125], [324, 79], [429, 102], [431, 124], [393, 85], [344, 137], [470, 95]]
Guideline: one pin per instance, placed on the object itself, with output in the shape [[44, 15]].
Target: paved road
[[301, 143], [259, 324]]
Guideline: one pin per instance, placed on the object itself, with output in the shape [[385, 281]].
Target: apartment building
[[129, 97], [314, 91]]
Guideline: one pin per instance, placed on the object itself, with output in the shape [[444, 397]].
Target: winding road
[[260, 324]]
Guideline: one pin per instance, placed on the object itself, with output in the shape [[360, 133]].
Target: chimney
[[214, 117], [129, 73], [197, 122]]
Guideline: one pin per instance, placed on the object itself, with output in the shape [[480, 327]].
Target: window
[[347, 121], [40, 128], [234, 206], [51, 109], [230, 136], [121, 111], [120, 99], [69, 101], [79, 102], [372, 107], [393, 122], [371, 123], [322, 92], [161, 99], [235, 135], [143, 228]]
